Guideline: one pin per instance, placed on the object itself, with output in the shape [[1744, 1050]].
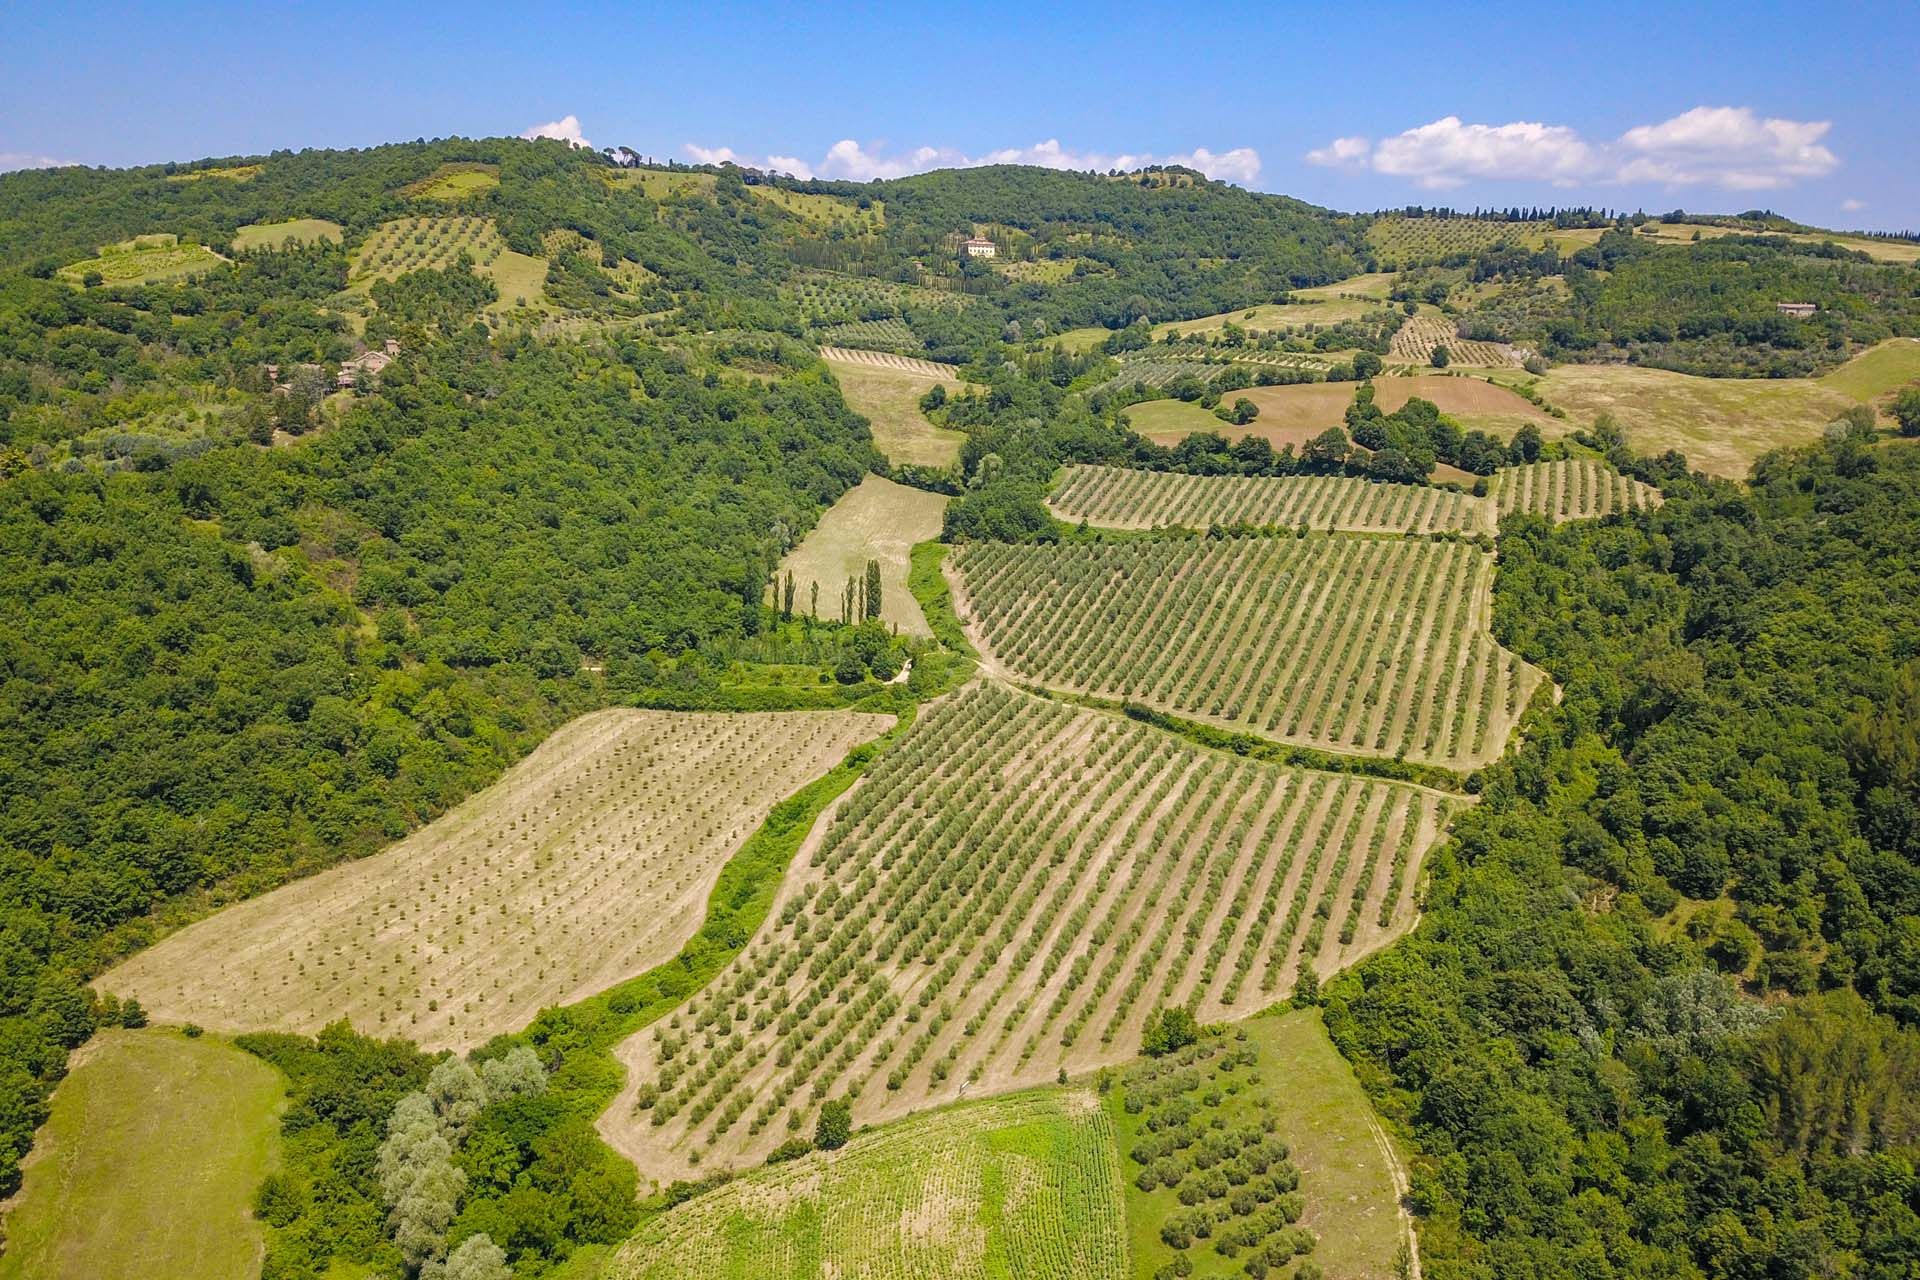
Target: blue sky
[[1807, 109]]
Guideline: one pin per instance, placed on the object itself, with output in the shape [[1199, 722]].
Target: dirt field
[[589, 862], [889, 398], [1010, 892], [146, 1168], [875, 520]]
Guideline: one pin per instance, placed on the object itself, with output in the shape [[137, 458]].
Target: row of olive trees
[[418, 1179]]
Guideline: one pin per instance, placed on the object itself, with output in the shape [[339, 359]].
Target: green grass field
[[824, 210], [1026, 1185], [658, 184], [277, 235], [147, 1167], [1877, 371], [1301, 1085], [142, 260], [455, 182]]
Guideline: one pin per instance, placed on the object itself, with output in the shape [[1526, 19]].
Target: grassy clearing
[[889, 398], [875, 520], [1877, 371], [1015, 887], [455, 181], [1365, 647], [825, 211], [1683, 232], [144, 259], [231, 173], [1122, 498], [658, 184], [146, 1168], [278, 235], [1025, 1186], [1295, 414], [1721, 424], [436, 243], [588, 863]]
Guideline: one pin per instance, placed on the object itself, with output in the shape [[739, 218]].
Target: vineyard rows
[[1125, 498], [1010, 892], [1571, 489], [589, 862], [888, 360], [1419, 335], [1361, 645], [1020, 1186]]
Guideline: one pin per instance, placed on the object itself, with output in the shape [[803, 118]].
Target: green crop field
[[1365, 646], [278, 235], [146, 1169], [1011, 891], [875, 520], [1123, 498], [144, 260], [1027, 1186], [1569, 489]]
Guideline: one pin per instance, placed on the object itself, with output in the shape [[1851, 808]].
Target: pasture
[[825, 211], [1877, 371], [1295, 414], [1026, 1186], [1569, 489], [1124, 498], [888, 396], [1010, 891], [228, 173], [875, 520], [1365, 646], [279, 235], [658, 184], [588, 862], [1721, 424], [144, 260], [1407, 242], [1683, 232], [146, 1168]]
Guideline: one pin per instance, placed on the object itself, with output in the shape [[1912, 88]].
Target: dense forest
[[1661, 1018]]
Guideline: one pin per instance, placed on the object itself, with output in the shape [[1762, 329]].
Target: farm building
[[978, 248], [368, 365], [1798, 310]]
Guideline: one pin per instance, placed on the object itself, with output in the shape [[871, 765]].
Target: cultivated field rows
[[1009, 892], [588, 863], [1360, 645], [1419, 335], [888, 360], [911, 1202], [1129, 498], [1570, 489]]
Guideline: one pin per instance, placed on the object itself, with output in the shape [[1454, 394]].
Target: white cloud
[[26, 160], [1852, 205], [566, 129], [1343, 153], [859, 162], [1727, 147]]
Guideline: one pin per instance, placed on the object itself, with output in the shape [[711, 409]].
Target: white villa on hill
[[978, 248]]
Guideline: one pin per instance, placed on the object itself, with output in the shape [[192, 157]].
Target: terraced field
[[589, 862], [1570, 489], [1010, 892], [1021, 1186], [887, 360], [1419, 335], [1125, 498], [1366, 646]]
